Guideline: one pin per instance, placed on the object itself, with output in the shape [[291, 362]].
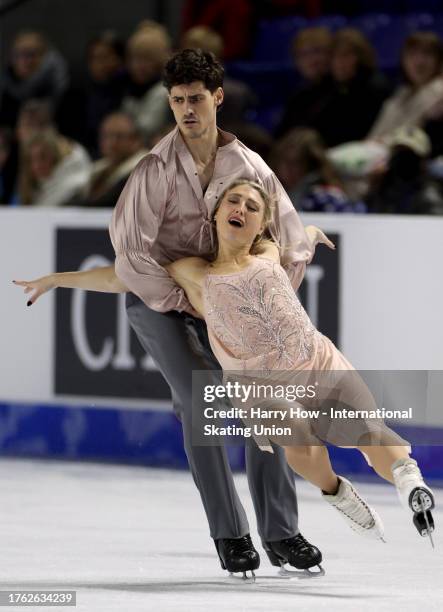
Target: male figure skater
[[164, 214]]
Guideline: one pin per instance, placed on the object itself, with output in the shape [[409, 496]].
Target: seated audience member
[[415, 101], [358, 90], [239, 99], [311, 52], [255, 138], [145, 96], [8, 166], [82, 109], [33, 117], [405, 186], [121, 147], [415, 104], [300, 162], [35, 70], [53, 170]]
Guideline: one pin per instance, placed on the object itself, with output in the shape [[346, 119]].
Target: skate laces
[[410, 469], [299, 543], [239, 545], [359, 513], [407, 473]]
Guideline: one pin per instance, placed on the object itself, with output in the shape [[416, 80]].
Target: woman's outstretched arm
[[98, 279]]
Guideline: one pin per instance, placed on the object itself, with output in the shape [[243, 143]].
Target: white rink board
[[391, 300]]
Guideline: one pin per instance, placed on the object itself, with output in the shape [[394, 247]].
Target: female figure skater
[[256, 323]]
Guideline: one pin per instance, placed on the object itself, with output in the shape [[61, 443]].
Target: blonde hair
[[151, 37], [204, 38], [52, 142], [269, 201]]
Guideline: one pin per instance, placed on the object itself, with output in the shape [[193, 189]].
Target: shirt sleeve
[[296, 250], [134, 227]]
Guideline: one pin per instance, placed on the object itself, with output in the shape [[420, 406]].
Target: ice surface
[[133, 539]]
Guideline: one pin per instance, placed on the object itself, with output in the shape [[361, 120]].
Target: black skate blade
[[301, 574], [245, 577], [424, 523]]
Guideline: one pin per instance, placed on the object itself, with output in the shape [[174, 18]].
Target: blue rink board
[[143, 437]]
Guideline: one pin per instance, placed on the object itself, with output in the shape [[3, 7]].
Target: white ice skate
[[414, 494], [357, 513]]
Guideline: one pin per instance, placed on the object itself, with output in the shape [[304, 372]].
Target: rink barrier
[[378, 297], [145, 437]]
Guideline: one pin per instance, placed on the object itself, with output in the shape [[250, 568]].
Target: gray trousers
[[178, 344]]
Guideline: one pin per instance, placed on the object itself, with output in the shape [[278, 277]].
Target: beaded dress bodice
[[255, 319]]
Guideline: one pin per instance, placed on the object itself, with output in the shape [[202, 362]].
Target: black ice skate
[[295, 551], [238, 555]]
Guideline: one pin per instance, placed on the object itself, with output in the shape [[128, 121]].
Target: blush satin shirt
[[163, 215]]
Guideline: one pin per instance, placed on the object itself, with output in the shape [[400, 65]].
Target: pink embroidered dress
[[259, 331]]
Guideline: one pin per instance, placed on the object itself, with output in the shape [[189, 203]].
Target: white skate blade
[[244, 578], [301, 573]]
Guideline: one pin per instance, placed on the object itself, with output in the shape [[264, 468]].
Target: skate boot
[[238, 555], [414, 494], [357, 513], [295, 551]]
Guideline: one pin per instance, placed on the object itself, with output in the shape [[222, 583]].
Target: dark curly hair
[[192, 65]]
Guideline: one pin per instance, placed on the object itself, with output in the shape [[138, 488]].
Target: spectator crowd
[[349, 137]]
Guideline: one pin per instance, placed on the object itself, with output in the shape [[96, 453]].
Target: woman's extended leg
[[382, 458], [394, 465], [313, 464]]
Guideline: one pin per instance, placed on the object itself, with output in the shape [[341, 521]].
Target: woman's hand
[[316, 236], [39, 286]]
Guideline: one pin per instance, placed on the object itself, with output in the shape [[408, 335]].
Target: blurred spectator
[[300, 162], [8, 165], [157, 136], [405, 186], [121, 147], [421, 98], [35, 70], [82, 109], [358, 90], [311, 52], [232, 20], [53, 170], [33, 117], [255, 138], [145, 97], [239, 100]]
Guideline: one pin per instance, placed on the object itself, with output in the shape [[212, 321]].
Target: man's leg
[[272, 485], [169, 342]]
